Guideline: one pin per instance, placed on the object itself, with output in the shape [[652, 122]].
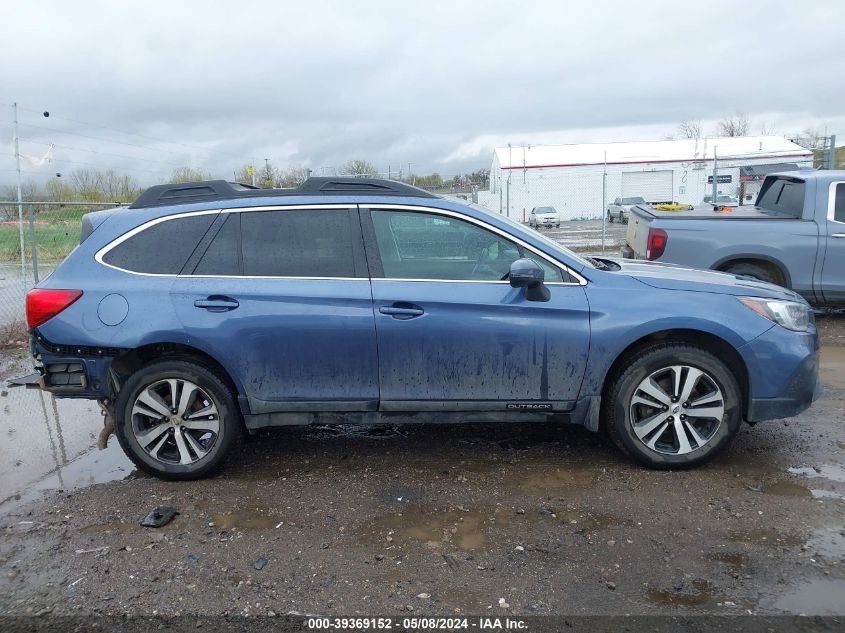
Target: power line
[[94, 151], [99, 138], [112, 129]]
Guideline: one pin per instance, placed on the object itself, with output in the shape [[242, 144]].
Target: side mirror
[[528, 274]]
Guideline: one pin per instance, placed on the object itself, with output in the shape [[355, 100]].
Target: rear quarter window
[[839, 204], [782, 195], [162, 248]]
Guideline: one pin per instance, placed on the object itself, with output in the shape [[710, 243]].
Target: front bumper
[[777, 392]]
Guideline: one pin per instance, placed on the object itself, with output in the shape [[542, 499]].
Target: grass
[[56, 233]]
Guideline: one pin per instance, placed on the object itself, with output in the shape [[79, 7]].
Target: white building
[[572, 178]]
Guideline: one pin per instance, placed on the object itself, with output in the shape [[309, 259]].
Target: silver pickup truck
[[793, 236]]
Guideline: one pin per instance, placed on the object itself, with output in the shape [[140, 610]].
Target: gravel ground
[[444, 519]]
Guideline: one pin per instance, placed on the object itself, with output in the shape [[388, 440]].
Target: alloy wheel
[[175, 421], [677, 410]]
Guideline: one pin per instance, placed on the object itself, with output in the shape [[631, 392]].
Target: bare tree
[[689, 129], [292, 176], [188, 174], [767, 129], [244, 174], [811, 138], [358, 167], [88, 183], [736, 125], [119, 186]]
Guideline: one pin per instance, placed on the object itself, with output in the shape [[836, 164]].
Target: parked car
[[621, 207], [722, 199], [793, 236], [543, 216], [208, 308]]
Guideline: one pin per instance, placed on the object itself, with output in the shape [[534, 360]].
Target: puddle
[[246, 520], [833, 366], [821, 596], [49, 443], [467, 531], [833, 472], [828, 543], [552, 481], [699, 593], [734, 559], [765, 537], [787, 489]]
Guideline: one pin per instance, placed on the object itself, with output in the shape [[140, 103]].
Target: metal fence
[[34, 238]]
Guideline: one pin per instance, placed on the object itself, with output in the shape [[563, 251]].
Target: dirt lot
[[496, 520]]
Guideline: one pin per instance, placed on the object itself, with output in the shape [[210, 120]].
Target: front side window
[[162, 248], [297, 243], [418, 245]]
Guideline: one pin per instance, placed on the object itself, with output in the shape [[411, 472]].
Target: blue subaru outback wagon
[[206, 309]]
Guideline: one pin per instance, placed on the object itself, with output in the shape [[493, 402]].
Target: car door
[[833, 268], [281, 297], [452, 333]]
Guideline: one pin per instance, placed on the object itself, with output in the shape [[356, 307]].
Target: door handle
[[402, 311], [217, 304]]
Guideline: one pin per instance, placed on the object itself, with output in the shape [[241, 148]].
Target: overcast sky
[[437, 84]]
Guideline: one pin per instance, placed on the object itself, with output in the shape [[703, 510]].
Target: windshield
[[553, 246], [545, 211], [634, 200]]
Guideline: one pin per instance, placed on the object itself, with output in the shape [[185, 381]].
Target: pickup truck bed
[[793, 236]]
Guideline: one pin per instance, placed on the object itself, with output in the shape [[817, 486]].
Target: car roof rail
[[210, 190]]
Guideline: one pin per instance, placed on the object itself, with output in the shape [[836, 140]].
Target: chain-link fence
[[53, 229]]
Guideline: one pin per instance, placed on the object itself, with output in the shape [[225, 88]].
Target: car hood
[[675, 277]]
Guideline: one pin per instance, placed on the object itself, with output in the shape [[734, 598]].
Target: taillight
[[657, 239], [42, 304]]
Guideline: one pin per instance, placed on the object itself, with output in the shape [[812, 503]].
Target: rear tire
[[610, 217], [672, 406], [177, 419], [753, 270]]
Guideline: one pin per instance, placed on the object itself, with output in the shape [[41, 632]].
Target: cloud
[[434, 84]]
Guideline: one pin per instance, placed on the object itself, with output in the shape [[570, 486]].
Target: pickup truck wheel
[[610, 217], [674, 406], [753, 270], [176, 419]]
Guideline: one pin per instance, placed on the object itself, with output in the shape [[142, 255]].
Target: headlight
[[790, 314]]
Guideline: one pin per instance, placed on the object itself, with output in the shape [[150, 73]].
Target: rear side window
[[782, 196], [839, 204], [297, 243], [162, 248], [221, 256]]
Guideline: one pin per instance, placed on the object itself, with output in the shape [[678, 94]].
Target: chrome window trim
[[114, 243], [831, 201], [138, 229], [580, 281]]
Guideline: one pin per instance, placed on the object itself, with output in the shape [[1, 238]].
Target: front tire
[[673, 406], [177, 419]]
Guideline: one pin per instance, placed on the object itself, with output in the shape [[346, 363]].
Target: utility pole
[[252, 169], [715, 175], [604, 202], [510, 164], [831, 152], [20, 194]]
